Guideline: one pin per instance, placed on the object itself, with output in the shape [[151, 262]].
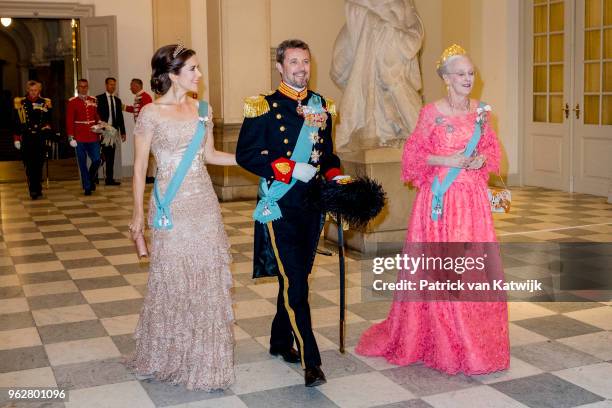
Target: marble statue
[[375, 62]]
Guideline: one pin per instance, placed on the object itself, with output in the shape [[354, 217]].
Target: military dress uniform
[[286, 247], [32, 127], [141, 99], [81, 115]]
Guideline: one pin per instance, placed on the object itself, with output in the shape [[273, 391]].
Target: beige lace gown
[[184, 334]]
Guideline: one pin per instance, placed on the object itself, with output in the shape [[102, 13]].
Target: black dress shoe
[[290, 356], [34, 195], [87, 192], [313, 376], [113, 183], [150, 180]]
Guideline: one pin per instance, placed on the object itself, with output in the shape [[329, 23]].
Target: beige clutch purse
[[500, 198], [141, 247]]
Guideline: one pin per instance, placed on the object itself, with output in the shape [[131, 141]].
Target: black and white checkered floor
[[71, 289]]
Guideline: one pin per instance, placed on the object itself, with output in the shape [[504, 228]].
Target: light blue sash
[[439, 189], [163, 218], [267, 209]]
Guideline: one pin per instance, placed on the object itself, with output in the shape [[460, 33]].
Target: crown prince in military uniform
[[285, 139], [32, 125]]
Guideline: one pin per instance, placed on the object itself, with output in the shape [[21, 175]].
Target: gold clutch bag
[[500, 198]]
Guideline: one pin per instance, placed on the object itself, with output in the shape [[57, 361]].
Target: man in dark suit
[[109, 110]]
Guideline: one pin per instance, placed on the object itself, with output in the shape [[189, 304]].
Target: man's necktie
[[112, 108]]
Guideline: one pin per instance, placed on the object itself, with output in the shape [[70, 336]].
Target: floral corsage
[[481, 114], [204, 119]]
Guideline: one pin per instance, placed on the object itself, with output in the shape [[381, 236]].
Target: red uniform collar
[[292, 93]]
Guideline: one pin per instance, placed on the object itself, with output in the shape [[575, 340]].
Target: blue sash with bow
[[267, 209], [440, 188], [163, 218]]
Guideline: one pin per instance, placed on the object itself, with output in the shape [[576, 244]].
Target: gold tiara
[[179, 48], [451, 51]]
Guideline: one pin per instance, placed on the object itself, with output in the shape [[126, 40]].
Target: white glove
[[17, 144], [73, 143], [303, 172]]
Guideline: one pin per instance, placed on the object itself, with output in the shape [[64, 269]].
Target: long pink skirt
[[453, 337]]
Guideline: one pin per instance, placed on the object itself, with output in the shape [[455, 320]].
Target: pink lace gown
[[185, 334], [453, 337]]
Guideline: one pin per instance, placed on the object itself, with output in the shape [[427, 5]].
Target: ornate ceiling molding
[[39, 9]]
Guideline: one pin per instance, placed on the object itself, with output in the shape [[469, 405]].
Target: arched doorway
[[44, 50]]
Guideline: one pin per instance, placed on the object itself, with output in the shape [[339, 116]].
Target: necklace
[[456, 108]]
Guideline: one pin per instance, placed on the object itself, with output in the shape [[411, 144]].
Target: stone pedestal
[[231, 183], [386, 233]]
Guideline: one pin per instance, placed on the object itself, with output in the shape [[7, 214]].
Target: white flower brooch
[[481, 114]]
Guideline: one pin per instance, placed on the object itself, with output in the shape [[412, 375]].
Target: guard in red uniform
[[141, 98], [81, 115], [32, 122]]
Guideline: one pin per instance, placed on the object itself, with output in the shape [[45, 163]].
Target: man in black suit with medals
[[285, 139], [32, 119], [110, 111]]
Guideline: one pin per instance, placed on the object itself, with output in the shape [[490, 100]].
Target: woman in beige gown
[[184, 334]]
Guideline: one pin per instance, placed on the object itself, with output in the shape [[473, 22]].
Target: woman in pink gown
[[450, 336]]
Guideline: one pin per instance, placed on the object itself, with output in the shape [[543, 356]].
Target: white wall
[[245, 53], [135, 48], [489, 31], [430, 12], [199, 43], [318, 24], [499, 69]]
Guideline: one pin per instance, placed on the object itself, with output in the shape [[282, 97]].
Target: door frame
[[36, 9], [571, 96], [525, 75], [598, 181], [522, 78]]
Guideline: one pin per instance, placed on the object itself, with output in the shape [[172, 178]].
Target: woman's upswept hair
[[166, 60]]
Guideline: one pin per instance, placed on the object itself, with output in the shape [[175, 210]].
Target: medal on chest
[[314, 117], [39, 106]]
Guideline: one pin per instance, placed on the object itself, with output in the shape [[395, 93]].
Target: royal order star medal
[[315, 156], [314, 137]]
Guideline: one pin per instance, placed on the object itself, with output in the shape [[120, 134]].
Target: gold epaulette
[[255, 106], [330, 105], [18, 102], [48, 103]]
